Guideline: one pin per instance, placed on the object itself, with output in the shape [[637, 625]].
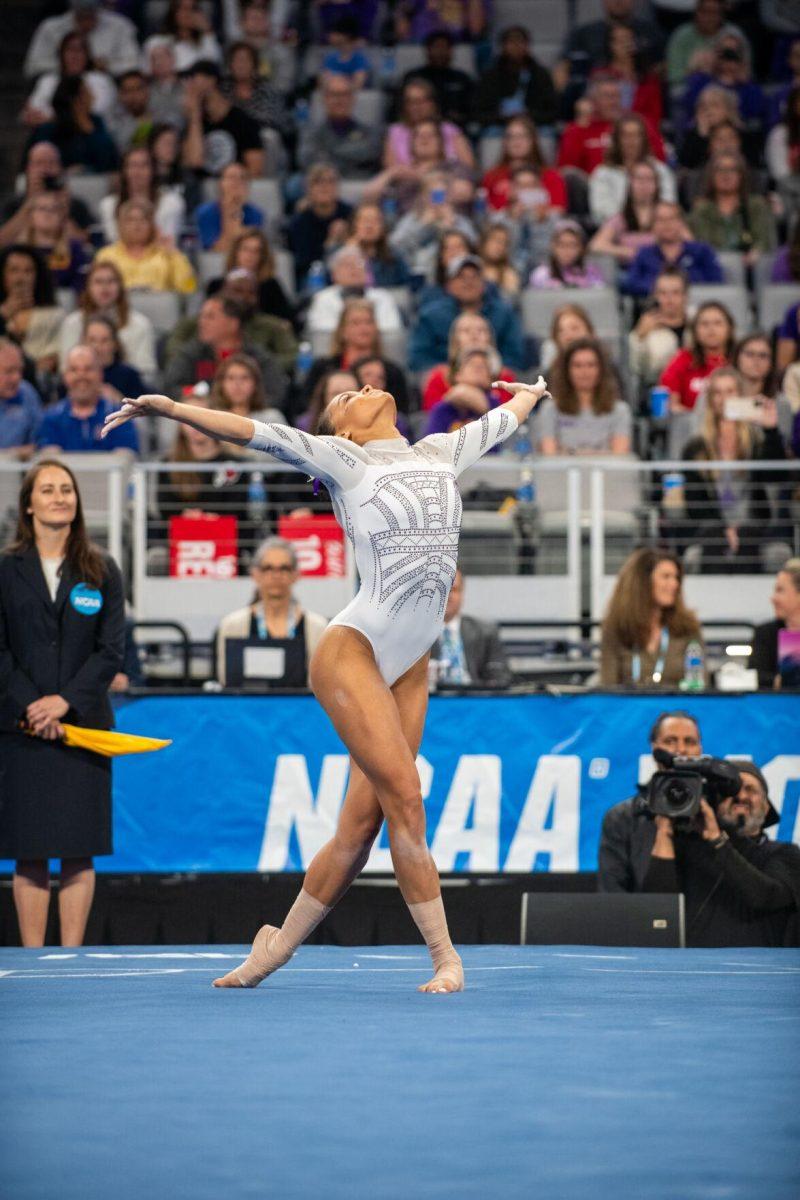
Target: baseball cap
[[746, 767], [464, 260]]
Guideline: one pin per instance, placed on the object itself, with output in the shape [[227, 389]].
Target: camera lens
[[676, 793]]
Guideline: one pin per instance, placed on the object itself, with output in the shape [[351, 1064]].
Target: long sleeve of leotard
[[327, 458], [466, 445]]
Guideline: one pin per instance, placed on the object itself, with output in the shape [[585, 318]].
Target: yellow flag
[[109, 743]]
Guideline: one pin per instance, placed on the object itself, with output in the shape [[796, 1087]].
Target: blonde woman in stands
[[647, 626], [141, 259], [105, 295]]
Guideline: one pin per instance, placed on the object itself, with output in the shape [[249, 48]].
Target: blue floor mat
[[560, 1074]]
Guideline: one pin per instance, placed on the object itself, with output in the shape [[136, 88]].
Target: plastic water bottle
[[302, 110], [388, 67], [389, 209], [257, 499], [522, 441], [694, 679], [526, 492], [316, 276], [480, 207], [305, 357]]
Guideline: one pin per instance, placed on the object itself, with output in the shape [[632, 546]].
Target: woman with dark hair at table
[[62, 628]]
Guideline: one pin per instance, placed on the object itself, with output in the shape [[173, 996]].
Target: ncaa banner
[[511, 783]]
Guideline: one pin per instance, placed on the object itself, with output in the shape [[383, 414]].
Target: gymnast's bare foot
[[449, 978], [264, 958]]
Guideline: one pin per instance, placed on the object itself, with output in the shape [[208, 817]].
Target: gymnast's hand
[[131, 409], [524, 396]]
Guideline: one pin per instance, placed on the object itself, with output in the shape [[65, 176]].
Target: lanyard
[[291, 624], [658, 670]]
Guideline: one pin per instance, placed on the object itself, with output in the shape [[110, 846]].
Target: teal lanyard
[[291, 624], [658, 670]]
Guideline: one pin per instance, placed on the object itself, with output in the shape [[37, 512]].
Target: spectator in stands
[[469, 651], [660, 332], [105, 295], [587, 45], [584, 144], [692, 43], [217, 132], [521, 149], [120, 379], [271, 335], [647, 625], [187, 32], [624, 234], [20, 405], [515, 84], [741, 889], [584, 413], [730, 69], [346, 58], [42, 174], [48, 232], [165, 146], [566, 266], [112, 39], [570, 323], [165, 90], [28, 312], [74, 60], [529, 219], [785, 601], [430, 227], [786, 265], [465, 291], [454, 88], [610, 183], [220, 222], [75, 423], [729, 216], [80, 137], [369, 235], [788, 343], [715, 107], [778, 99], [220, 333], [470, 331], [640, 81], [348, 269], [320, 220], [355, 337], [337, 138], [466, 20], [728, 512], [470, 395], [418, 103], [671, 249], [401, 185], [275, 617], [755, 362], [130, 120], [273, 41], [238, 387], [712, 338], [137, 181], [495, 252], [252, 252], [256, 96], [141, 260], [783, 152], [329, 383]]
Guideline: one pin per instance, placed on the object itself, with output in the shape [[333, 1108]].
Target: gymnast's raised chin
[[400, 507]]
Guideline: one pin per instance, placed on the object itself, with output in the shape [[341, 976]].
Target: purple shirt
[[586, 276], [789, 327], [445, 417]]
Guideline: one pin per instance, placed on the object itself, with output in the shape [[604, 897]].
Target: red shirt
[[498, 184], [438, 384], [684, 376], [584, 146]]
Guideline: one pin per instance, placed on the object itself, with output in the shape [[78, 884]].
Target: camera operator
[[741, 889]]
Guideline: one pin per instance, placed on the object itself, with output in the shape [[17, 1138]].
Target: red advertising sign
[[318, 542], [203, 547]]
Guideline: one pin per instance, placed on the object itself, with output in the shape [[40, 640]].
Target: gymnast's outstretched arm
[[226, 427]]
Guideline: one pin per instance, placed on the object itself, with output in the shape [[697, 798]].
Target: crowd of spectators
[[259, 187]]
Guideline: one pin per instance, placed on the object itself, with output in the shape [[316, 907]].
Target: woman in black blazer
[[62, 626]]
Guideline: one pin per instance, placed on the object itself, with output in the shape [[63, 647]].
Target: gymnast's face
[[355, 415]]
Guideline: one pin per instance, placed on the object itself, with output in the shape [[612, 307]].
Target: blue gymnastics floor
[[560, 1074]]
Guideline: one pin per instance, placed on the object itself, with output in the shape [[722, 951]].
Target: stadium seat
[[65, 298], [369, 107], [732, 264], [607, 265], [735, 298], [163, 308], [284, 271], [351, 190], [762, 271], [210, 265], [490, 147], [601, 304], [11, 473], [550, 16], [264, 194], [773, 301], [90, 189]]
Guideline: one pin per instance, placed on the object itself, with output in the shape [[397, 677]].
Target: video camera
[[676, 792]]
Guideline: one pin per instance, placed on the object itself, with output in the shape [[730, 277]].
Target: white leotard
[[400, 507]]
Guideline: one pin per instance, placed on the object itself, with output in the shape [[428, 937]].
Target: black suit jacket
[[49, 648], [483, 652], [764, 658], [626, 846]]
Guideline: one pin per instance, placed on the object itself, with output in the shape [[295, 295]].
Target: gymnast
[[400, 507]]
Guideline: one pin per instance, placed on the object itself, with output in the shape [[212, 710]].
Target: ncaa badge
[[86, 600]]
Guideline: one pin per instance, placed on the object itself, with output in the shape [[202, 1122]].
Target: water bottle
[[522, 441], [302, 110], [526, 492], [389, 209], [388, 67], [694, 678], [305, 357], [257, 499], [317, 278], [480, 207]]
